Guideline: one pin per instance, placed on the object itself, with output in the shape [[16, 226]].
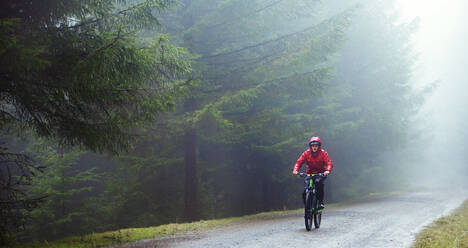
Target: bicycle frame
[[311, 210], [311, 189]]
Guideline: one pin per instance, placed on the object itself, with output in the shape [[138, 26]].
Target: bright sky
[[438, 39], [441, 42]]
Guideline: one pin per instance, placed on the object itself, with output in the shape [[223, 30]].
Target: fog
[[441, 45], [233, 91]]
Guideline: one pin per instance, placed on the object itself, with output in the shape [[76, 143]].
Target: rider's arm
[[328, 162], [299, 163]]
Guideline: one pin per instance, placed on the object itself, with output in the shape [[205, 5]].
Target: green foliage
[[17, 171], [64, 188], [256, 69], [76, 73], [81, 74], [271, 74]]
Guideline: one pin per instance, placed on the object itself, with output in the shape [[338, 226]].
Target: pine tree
[[80, 74], [63, 188], [256, 60], [77, 73]]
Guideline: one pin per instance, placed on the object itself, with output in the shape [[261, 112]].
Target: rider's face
[[314, 148]]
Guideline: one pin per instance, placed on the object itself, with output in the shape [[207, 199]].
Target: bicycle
[[311, 206]]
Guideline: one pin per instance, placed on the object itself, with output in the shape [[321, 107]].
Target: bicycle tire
[[317, 219], [317, 215], [308, 218]]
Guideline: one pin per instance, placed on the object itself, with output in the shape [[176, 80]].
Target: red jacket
[[316, 163]]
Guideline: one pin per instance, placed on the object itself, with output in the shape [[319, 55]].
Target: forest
[[135, 113]]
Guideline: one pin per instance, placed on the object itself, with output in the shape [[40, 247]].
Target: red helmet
[[315, 140]]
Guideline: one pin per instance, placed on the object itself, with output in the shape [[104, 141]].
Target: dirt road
[[390, 221]]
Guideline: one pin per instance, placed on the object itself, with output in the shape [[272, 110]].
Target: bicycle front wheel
[[317, 214], [308, 216]]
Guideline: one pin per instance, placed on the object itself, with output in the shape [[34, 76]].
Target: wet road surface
[[389, 221]]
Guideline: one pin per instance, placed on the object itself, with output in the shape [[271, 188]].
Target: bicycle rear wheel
[[308, 211], [317, 219]]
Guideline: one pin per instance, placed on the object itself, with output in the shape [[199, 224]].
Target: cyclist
[[318, 161]]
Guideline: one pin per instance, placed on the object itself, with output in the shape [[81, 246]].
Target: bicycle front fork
[[304, 195]]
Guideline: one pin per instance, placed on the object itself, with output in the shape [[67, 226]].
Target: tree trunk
[[191, 211], [266, 193], [62, 174]]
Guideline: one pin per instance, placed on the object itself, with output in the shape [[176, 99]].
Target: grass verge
[[449, 231], [133, 234]]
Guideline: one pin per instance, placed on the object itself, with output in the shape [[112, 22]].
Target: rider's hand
[[295, 172], [325, 173]]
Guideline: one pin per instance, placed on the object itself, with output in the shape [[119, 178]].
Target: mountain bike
[[311, 204]]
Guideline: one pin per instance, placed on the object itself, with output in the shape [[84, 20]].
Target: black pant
[[319, 188]]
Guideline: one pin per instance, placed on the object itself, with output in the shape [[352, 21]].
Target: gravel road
[[389, 221]]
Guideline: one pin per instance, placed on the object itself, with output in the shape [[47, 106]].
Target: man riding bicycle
[[318, 161]]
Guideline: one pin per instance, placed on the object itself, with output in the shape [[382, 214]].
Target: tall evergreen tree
[[63, 188], [256, 60], [272, 74], [77, 73]]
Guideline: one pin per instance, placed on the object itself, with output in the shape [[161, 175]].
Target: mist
[[179, 112], [439, 42]]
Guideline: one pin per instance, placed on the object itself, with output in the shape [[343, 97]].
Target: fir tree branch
[[248, 15], [260, 44], [112, 15]]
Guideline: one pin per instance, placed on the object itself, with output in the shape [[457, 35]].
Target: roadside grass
[[448, 231], [133, 234]]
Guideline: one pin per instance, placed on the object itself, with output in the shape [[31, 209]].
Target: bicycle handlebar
[[302, 174]]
